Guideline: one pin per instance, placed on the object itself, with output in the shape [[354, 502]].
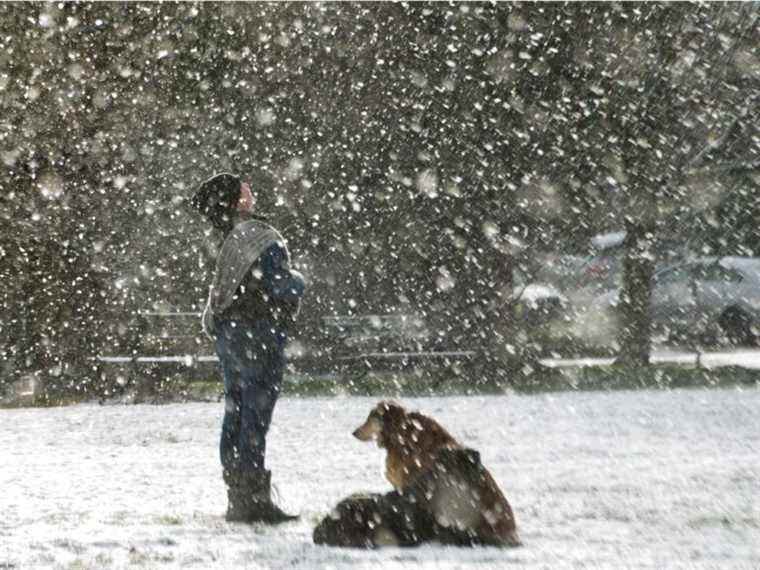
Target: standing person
[[253, 302]]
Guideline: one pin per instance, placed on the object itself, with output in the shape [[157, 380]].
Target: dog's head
[[375, 427]]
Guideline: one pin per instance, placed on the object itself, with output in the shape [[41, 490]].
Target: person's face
[[245, 204]]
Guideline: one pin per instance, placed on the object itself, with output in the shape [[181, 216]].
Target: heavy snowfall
[[535, 222]]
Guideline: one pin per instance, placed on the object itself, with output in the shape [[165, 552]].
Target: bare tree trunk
[[498, 320], [635, 337]]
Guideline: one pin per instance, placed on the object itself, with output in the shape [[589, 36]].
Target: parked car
[[537, 303], [602, 270], [559, 270], [603, 267], [707, 298]]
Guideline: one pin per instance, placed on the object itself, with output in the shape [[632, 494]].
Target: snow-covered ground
[[648, 479]]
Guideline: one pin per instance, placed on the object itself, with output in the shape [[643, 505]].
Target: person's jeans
[[252, 359]]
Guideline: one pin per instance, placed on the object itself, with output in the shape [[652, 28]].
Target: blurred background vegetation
[[410, 152]]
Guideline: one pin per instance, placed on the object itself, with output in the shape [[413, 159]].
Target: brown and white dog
[[425, 463], [411, 439]]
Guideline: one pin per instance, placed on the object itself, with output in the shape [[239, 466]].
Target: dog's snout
[[365, 432], [369, 430], [361, 434]]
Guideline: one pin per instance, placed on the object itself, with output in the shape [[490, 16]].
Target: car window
[[715, 272], [673, 275]]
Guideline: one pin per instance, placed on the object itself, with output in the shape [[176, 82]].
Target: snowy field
[[649, 479]]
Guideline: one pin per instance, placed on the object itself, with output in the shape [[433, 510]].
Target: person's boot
[[249, 499]]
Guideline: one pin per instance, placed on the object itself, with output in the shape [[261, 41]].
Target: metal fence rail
[[371, 341]]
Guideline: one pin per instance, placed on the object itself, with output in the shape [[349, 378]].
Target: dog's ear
[[390, 409]]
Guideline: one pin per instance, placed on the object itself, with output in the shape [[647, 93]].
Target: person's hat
[[217, 199]]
